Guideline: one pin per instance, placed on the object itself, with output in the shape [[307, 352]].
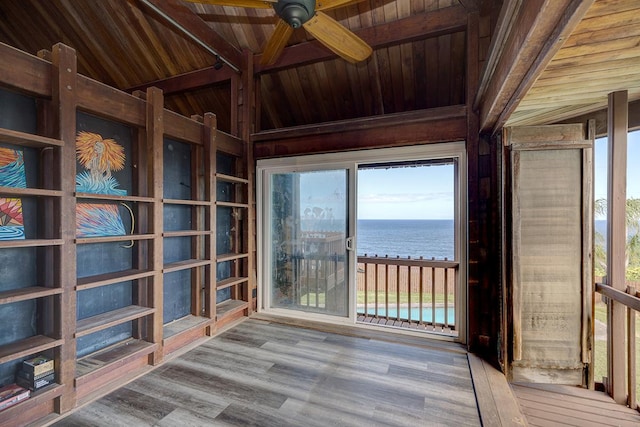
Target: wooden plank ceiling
[[601, 55], [418, 60]]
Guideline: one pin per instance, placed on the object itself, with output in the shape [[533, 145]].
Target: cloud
[[405, 197]]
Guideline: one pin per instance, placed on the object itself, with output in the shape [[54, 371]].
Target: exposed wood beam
[[189, 81], [191, 25], [535, 35], [602, 119], [417, 127], [415, 27], [470, 5]]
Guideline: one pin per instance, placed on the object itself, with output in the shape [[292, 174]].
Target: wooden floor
[[260, 373], [553, 405]]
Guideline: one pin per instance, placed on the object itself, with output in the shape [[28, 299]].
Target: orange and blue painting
[[99, 157], [12, 174], [98, 220]]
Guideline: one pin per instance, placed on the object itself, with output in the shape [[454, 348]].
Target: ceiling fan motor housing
[[295, 12]]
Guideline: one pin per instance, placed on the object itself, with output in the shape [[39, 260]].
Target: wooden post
[[63, 82], [155, 134], [616, 240], [210, 125]]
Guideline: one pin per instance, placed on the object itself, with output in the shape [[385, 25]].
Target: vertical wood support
[[588, 290], [63, 82], [197, 218], [155, 134], [474, 293], [616, 239], [248, 171], [209, 140]]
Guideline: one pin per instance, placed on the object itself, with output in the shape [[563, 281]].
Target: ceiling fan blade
[[339, 39], [332, 4], [257, 4], [276, 43]]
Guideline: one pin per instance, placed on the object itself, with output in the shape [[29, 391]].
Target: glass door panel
[[308, 214]]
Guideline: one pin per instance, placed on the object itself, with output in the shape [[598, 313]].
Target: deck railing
[[631, 301], [414, 293]]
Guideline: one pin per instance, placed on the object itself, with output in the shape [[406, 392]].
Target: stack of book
[[12, 394], [36, 373]]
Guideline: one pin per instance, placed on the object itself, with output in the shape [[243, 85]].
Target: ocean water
[[415, 238]]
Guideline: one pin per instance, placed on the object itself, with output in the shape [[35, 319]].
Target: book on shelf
[[38, 365], [12, 394], [25, 380], [30, 377]]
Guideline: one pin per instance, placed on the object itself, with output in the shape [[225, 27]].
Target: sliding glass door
[[308, 231]]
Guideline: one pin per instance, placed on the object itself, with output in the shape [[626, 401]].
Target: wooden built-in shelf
[[114, 198], [111, 278], [35, 399], [186, 233], [23, 294], [231, 281], [185, 324], [232, 204], [25, 192], [103, 361], [232, 179], [229, 307], [111, 318], [231, 257], [108, 239], [26, 347], [186, 202], [26, 243], [28, 139], [184, 265]]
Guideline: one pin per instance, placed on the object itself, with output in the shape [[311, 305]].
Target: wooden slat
[[111, 318], [25, 192], [186, 233], [93, 196], [25, 72], [231, 281], [111, 278], [232, 179], [230, 307], [27, 139], [11, 415], [230, 257], [22, 294], [183, 265], [107, 239], [186, 202], [30, 243], [27, 346], [232, 204]]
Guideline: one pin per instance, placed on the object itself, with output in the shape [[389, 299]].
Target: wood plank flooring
[[260, 373], [556, 405]]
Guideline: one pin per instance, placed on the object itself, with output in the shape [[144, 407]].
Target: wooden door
[[550, 291]]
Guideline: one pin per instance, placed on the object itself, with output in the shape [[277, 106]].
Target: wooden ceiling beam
[[536, 33], [191, 25], [189, 81], [420, 26]]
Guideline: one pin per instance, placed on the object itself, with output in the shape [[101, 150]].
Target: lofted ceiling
[[418, 61], [128, 44]]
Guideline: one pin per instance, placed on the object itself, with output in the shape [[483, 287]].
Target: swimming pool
[[415, 313]]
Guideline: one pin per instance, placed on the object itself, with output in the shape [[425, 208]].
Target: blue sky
[[633, 167]]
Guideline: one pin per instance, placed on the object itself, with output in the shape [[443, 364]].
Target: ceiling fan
[[308, 14]]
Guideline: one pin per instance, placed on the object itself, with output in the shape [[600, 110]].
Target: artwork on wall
[[12, 168], [12, 174], [98, 220], [11, 221], [100, 157]]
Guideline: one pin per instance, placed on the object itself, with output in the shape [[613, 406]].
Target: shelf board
[[231, 178], [108, 239], [230, 307], [186, 202], [24, 192], [111, 278], [114, 198], [184, 324], [22, 294], [105, 360], [231, 281], [27, 346], [183, 265], [28, 139], [35, 399], [111, 318], [230, 257], [186, 233], [232, 205], [30, 243]]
